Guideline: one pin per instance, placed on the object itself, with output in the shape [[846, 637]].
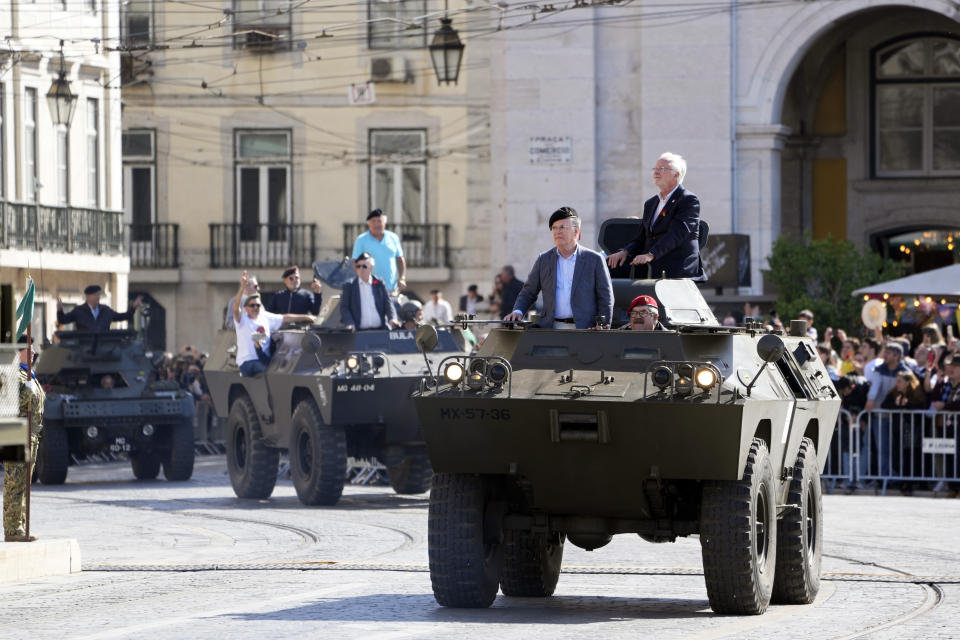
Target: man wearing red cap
[[644, 314]]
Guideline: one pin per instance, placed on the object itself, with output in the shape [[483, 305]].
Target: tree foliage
[[821, 275]]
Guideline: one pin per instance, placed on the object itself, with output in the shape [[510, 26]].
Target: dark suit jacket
[[299, 301], [508, 299], [350, 303], [463, 301], [590, 296], [674, 240], [82, 315]]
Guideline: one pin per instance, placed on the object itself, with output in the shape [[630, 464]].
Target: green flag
[[25, 309]]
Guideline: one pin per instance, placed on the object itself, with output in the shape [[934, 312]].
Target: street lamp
[[446, 52], [61, 101]]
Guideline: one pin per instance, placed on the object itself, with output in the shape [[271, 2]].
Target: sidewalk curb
[[20, 561]]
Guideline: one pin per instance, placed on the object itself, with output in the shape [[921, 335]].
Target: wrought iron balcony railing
[[36, 227], [241, 246], [154, 246], [424, 245]]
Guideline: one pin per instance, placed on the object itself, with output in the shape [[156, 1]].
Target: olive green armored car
[[104, 395], [545, 437], [328, 393]]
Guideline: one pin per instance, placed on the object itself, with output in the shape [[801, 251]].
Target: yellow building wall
[[830, 198], [830, 117]]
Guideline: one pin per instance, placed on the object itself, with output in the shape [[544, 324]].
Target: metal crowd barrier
[[881, 446]]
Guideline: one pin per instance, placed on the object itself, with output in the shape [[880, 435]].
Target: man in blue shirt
[[882, 380], [574, 280], [384, 246]]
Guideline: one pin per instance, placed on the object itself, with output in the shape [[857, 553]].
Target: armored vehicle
[[328, 393], [546, 436], [103, 394], [13, 430]]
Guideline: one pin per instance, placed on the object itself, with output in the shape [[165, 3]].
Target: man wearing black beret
[[574, 280], [94, 317], [293, 299]]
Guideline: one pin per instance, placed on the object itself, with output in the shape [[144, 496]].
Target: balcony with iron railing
[[425, 245], [154, 246], [243, 246], [37, 227]]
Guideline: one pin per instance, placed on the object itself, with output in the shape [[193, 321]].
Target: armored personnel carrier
[[103, 395], [545, 437], [13, 430], [328, 393]]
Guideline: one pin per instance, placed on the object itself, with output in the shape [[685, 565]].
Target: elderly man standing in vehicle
[[575, 283], [644, 314], [384, 246], [670, 229]]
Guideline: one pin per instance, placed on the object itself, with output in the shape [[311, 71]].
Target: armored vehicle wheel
[[800, 533], [53, 454], [738, 535], [531, 564], [178, 463], [464, 566], [318, 457], [145, 465], [251, 463], [411, 473]]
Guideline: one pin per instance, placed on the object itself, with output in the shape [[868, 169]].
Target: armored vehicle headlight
[[475, 381], [378, 361], [453, 372], [353, 363], [92, 432], [477, 366], [662, 376], [147, 430], [497, 374], [684, 386], [706, 378]]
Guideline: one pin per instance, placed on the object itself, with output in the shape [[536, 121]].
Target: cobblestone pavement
[[189, 560]]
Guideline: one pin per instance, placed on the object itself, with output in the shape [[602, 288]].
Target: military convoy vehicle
[[13, 430], [103, 394], [328, 393], [545, 437]]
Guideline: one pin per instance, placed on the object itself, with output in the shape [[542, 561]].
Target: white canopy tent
[[943, 283]]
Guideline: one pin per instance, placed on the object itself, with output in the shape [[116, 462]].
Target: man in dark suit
[[364, 302], [469, 302], [669, 232], [94, 317], [293, 299], [574, 280], [511, 288]]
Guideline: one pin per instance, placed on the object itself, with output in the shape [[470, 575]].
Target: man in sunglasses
[[254, 328], [364, 302], [644, 315]]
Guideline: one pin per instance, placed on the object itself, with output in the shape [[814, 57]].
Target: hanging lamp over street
[[61, 100], [446, 52]]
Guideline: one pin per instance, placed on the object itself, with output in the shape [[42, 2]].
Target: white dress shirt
[[441, 311], [369, 316], [565, 269]]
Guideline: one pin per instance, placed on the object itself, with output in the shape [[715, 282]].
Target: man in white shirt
[[437, 310], [254, 327]]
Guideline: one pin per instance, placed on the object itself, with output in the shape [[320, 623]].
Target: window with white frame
[[263, 161], [31, 179], [3, 141], [93, 153], [917, 94], [398, 169], [63, 166], [136, 23], [139, 182], [390, 21], [264, 25]]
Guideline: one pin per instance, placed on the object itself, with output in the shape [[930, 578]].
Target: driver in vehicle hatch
[[644, 315], [254, 327]]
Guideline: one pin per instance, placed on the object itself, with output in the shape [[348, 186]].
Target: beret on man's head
[[562, 214], [362, 256], [376, 213], [94, 288], [644, 301], [289, 271]]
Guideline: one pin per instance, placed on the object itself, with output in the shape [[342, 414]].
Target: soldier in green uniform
[[16, 475]]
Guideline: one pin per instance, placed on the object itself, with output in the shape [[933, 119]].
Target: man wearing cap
[[293, 299], [94, 317], [644, 315], [16, 474], [387, 253], [884, 379], [574, 280], [364, 302], [670, 229]]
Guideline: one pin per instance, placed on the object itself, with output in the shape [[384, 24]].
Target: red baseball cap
[[644, 301]]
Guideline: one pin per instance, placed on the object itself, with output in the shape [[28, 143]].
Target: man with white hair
[[669, 232]]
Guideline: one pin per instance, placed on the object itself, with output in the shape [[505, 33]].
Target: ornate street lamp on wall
[[446, 52], [61, 101]]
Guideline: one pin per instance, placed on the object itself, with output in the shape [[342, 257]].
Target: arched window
[[917, 117]]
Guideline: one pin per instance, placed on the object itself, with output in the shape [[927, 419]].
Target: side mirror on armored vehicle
[[427, 338], [770, 348]]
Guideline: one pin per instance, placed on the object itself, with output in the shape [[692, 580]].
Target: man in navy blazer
[[93, 317], [364, 302], [574, 280], [669, 232]]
